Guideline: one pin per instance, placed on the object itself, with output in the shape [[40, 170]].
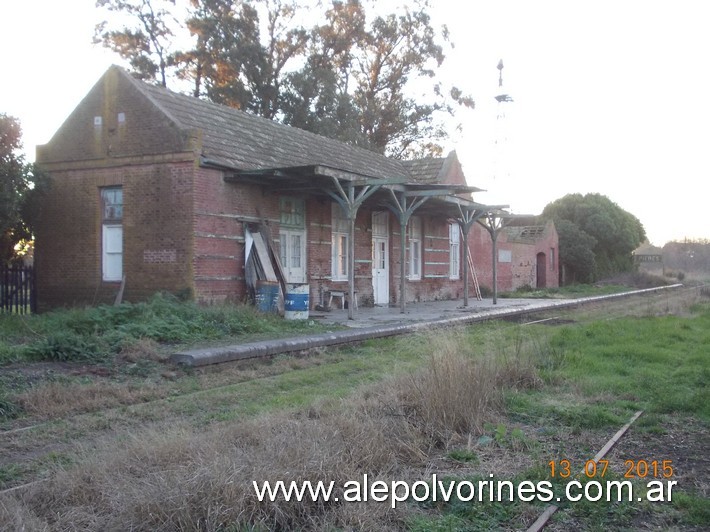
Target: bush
[[99, 333], [67, 345], [8, 409]]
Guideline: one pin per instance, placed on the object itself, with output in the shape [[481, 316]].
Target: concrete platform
[[423, 311], [379, 322]]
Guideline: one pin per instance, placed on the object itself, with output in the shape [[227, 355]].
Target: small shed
[[648, 258]]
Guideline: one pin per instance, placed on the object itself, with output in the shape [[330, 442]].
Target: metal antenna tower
[[501, 140]]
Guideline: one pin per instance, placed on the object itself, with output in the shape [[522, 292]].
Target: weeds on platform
[[97, 334]]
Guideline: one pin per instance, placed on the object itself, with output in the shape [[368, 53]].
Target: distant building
[[648, 258]]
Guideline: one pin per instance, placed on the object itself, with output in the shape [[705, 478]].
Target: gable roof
[[433, 170], [526, 233], [122, 117], [425, 170], [241, 141]]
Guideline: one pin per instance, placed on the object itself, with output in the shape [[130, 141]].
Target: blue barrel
[[296, 302], [267, 296]]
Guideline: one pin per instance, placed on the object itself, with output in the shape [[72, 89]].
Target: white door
[[293, 255], [380, 258]]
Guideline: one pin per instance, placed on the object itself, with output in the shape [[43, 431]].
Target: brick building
[[162, 191], [528, 256]]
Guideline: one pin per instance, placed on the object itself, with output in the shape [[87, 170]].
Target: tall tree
[[226, 53], [359, 77], [317, 97], [146, 45], [20, 183], [593, 223], [398, 48], [350, 77], [234, 61]]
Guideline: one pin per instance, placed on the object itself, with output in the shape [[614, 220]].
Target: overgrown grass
[[97, 334], [179, 478], [494, 398], [618, 284], [571, 291], [658, 363]]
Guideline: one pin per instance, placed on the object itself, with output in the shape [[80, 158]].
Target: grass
[[324, 441], [98, 334], [495, 399], [621, 283], [612, 358], [612, 368], [571, 291]]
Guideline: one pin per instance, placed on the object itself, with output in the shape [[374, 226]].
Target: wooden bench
[[342, 294]]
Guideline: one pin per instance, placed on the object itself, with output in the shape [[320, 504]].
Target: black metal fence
[[17, 289]]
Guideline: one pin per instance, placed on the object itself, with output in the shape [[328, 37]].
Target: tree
[[576, 253], [350, 77], [234, 62], [596, 235], [356, 85], [147, 46], [317, 97], [688, 255], [20, 186]]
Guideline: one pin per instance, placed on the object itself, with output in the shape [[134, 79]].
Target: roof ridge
[[152, 91], [142, 86]]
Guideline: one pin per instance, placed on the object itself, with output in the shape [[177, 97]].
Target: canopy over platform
[[401, 196]]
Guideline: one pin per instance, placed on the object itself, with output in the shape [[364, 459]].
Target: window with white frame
[[454, 251], [415, 248], [339, 241], [112, 233]]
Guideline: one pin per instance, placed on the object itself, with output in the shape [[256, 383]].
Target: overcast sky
[[609, 97]]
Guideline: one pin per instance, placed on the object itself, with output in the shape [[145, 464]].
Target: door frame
[[285, 253], [541, 270], [380, 244]]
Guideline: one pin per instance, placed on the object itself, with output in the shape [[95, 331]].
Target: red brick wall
[[319, 238], [435, 283], [523, 266], [522, 269], [481, 247], [157, 240], [184, 232], [144, 130], [221, 211], [549, 242]]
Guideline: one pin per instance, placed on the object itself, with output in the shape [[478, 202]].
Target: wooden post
[[352, 213], [464, 229], [494, 237]]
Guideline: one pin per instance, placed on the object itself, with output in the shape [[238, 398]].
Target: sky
[[609, 97]]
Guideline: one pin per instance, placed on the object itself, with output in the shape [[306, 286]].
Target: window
[[415, 248], [454, 251], [292, 212], [339, 243], [112, 233], [292, 238], [552, 258]]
